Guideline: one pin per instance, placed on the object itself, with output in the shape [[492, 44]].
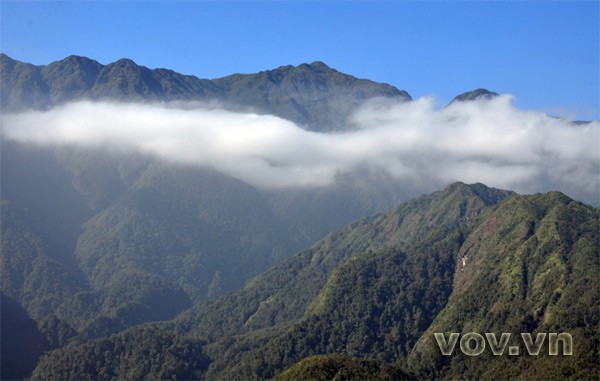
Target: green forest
[[120, 265]]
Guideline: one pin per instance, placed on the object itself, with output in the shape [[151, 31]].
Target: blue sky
[[544, 53]]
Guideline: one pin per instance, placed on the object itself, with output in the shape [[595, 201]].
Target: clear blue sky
[[545, 53]]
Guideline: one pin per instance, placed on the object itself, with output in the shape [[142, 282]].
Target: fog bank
[[481, 141]]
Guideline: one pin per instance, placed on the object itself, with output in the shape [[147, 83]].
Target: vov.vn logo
[[474, 344]]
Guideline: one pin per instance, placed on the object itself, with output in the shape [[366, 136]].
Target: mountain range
[[88, 215], [312, 95], [124, 265]]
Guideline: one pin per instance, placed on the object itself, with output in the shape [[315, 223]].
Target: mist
[[488, 141]]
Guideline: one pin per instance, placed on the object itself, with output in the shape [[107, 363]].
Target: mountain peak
[[75, 58], [124, 62], [488, 194], [316, 66], [4, 57], [78, 60], [320, 64], [74, 63], [477, 94], [313, 95], [7, 62]]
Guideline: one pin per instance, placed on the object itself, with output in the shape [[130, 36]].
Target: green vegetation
[[117, 240], [543, 275], [378, 289], [312, 95], [99, 246], [340, 367], [145, 353], [94, 241]]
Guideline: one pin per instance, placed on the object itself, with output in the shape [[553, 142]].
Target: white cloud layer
[[483, 141]]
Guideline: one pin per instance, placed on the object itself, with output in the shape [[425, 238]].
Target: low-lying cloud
[[482, 141]]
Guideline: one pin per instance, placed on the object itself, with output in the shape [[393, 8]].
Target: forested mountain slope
[[466, 259], [104, 241], [99, 242], [102, 238]]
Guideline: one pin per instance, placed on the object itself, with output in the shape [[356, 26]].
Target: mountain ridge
[[313, 95]]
